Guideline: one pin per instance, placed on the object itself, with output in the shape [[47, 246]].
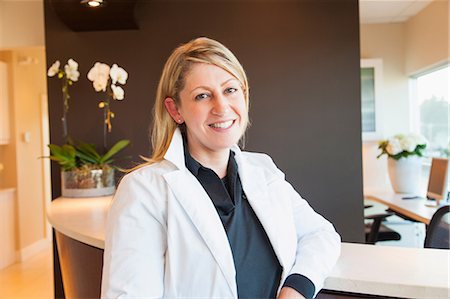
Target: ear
[[172, 108]]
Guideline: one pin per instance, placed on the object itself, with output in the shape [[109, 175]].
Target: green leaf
[[55, 150], [86, 159], [69, 150], [121, 144], [88, 150], [64, 155]]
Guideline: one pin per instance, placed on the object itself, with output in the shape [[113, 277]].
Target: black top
[[258, 271]]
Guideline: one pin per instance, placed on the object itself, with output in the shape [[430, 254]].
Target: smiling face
[[212, 105]]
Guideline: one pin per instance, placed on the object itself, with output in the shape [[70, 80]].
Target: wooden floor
[[32, 279]]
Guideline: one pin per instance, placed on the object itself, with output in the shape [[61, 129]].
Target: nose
[[221, 106]]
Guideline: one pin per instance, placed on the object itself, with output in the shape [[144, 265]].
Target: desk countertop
[[366, 269], [413, 208]]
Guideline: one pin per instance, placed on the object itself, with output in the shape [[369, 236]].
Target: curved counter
[[362, 269], [81, 219]]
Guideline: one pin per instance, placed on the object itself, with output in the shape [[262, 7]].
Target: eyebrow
[[206, 87]]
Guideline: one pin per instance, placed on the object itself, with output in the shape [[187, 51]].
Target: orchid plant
[[73, 155], [107, 79], [403, 146], [68, 75]]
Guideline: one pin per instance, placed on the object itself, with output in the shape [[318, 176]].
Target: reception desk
[[361, 269]]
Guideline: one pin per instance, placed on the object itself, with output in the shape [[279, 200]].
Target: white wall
[[21, 24], [22, 48], [23, 166], [427, 38], [385, 41], [406, 48]]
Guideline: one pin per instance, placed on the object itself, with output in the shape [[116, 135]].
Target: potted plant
[[404, 154], [86, 172]]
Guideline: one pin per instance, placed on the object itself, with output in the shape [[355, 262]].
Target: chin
[[224, 144]]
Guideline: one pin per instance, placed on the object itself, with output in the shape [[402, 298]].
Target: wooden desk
[[412, 208], [361, 268]]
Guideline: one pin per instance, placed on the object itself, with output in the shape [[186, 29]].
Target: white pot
[[406, 174]]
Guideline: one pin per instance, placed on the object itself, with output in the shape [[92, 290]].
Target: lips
[[222, 125]]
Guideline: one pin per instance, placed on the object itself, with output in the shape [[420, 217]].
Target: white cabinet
[[4, 105]]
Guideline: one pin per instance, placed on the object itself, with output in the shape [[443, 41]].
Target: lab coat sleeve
[[318, 243], [135, 240]]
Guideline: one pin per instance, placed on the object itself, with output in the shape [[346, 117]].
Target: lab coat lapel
[[254, 184], [197, 204]]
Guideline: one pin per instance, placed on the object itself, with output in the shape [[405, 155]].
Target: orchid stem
[[65, 91], [105, 126]]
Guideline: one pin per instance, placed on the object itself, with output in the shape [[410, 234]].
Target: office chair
[[376, 231], [438, 231]]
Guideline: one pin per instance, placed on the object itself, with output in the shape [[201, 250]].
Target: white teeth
[[223, 125]]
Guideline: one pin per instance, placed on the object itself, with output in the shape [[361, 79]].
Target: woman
[[202, 219]]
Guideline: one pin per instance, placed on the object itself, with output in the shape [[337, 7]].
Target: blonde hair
[[200, 50]]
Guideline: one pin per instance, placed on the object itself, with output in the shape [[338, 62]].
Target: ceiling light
[[93, 3]]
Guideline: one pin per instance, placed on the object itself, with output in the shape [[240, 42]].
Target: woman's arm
[[318, 243], [289, 293]]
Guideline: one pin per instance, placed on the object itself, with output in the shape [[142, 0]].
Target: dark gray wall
[[302, 60]]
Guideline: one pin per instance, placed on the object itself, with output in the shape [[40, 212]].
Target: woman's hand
[[290, 293]]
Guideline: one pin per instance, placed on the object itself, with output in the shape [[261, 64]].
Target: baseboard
[[33, 249]]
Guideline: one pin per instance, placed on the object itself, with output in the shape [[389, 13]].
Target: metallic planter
[[83, 182]]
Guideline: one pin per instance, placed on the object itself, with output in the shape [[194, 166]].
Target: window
[[431, 110], [371, 76]]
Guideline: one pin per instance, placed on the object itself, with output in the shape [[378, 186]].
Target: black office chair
[[376, 231], [438, 231]]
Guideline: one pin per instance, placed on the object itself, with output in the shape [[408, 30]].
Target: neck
[[217, 161]]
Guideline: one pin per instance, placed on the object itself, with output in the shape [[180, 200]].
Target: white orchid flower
[[118, 74], [118, 92], [100, 85], [72, 64], [72, 75], [54, 69], [99, 75], [71, 70]]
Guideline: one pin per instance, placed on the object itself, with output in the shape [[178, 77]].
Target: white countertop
[[366, 269], [82, 219], [392, 271]]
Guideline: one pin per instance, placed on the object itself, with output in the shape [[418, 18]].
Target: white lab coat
[[164, 238]]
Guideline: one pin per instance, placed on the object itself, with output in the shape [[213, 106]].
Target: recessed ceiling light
[[93, 3]]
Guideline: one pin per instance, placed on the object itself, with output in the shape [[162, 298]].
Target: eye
[[230, 90], [201, 96]]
